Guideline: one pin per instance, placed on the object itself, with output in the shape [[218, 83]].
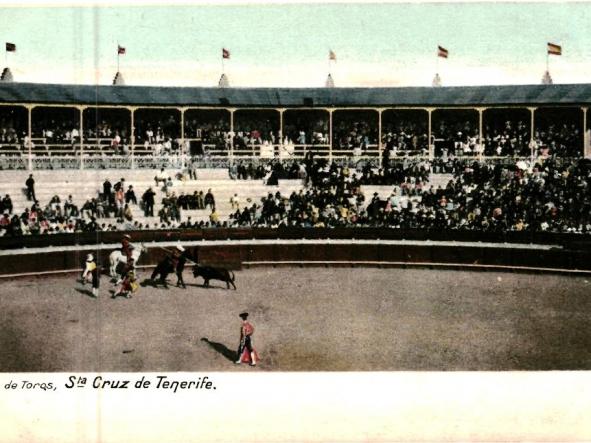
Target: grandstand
[[74, 126], [75, 137]]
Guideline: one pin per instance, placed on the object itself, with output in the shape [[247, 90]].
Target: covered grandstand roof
[[574, 94]]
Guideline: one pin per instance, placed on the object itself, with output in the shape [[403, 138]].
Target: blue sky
[[287, 45]]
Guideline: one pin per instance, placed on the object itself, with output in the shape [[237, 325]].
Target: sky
[[384, 44]]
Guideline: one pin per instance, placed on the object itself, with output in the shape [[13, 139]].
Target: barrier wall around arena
[[235, 254], [576, 241]]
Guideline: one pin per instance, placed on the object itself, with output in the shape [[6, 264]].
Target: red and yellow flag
[[554, 49], [442, 52]]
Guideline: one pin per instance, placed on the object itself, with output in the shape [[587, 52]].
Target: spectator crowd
[[549, 194]]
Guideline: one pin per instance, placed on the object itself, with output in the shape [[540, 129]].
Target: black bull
[[211, 273]]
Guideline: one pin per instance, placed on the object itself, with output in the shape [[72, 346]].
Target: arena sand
[[306, 319]]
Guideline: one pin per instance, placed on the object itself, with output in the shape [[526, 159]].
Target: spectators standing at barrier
[[30, 184]]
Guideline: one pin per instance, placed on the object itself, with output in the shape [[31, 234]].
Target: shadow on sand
[[222, 349], [86, 292]]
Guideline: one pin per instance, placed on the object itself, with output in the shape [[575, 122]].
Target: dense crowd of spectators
[[546, 195], [404, 137], [455, 133], [562, 140], [508, 138], [115, 201], [459, 138], [9, 132], [350, 133], [306, 131]]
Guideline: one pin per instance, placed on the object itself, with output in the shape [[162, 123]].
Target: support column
[[30, 135], [431, 145], [586, 141], [132, 135], [81, 109], [480, 138], [380, 110], [330, 111], [532, 112], [232, 135], [182, 147], [280, 135], [281, 111]]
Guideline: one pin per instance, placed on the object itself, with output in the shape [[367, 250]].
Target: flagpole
[[118, 56], [547, 62]]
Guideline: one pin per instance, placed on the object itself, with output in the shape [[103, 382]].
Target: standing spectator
[[130, 196], [235, 201], [148, 199], [209, 200], [30, 184], [7, 204], [119, 185], [107, 191], [119, 201], [162, 176]]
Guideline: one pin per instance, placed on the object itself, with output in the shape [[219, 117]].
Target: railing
[[54, 156]]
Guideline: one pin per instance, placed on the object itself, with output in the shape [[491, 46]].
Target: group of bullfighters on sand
[[122, 270]]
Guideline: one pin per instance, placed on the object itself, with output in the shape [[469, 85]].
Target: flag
[[554, 49], [225, 53], [332, 55], [442, 52], [120, 50], [10, 47]]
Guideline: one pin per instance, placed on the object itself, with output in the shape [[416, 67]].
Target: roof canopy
[[574, 94]]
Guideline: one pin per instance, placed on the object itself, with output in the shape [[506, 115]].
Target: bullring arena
[[377, 229], [345, 319]]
